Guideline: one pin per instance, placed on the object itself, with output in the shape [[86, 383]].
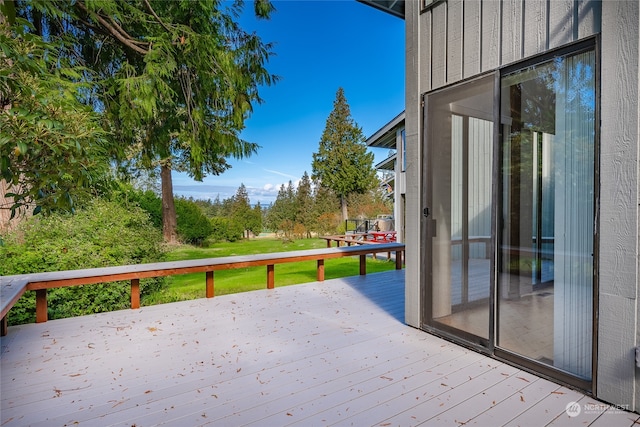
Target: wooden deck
[[330, 353]]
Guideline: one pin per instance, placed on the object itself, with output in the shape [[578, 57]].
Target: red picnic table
[[383, 236]]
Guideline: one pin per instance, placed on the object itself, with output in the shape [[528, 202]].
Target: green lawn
[[190, 286]]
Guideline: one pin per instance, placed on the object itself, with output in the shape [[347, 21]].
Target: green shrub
[[102, 234], [193, 226], [149, 202], [224, 229]]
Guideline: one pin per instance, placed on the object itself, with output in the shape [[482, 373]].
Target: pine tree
[[342, 162], [241, 212], [282, 214], [304, 204], [324, 208]]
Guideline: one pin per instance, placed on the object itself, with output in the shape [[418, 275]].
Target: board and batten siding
[[456, 40], [468, 38], [618, 380]]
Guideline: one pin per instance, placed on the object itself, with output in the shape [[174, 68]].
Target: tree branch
[[127, 41], [153, 12], [125, 34]]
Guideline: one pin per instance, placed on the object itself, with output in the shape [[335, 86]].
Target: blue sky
[[319, 47]]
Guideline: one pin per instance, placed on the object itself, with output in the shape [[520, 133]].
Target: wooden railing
[[13, 287], [347, 239]]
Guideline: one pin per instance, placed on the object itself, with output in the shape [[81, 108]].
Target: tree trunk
[[169, 221], [343, 206]]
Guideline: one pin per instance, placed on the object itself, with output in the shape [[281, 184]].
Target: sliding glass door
[[509, 242], [545, 280], [459, 217]]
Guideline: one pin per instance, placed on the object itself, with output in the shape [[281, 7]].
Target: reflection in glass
[[461, 139], [545, 269]]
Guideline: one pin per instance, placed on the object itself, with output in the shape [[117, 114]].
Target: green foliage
[[150, 202], [241, 213], [305, 215], [310, 208], [281, 217], [193, 226], [176, 79], [342, 162], [53, 151], [224, 229], [370, 204], [102, 234]]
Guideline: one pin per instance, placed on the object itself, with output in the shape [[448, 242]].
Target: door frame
[[480, 344], [426, 286]]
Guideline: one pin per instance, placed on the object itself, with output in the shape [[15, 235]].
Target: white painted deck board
[[335, 352]]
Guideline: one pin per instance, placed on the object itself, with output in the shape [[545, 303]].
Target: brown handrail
[[12, 287]]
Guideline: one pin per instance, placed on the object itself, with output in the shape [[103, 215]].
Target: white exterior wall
[[455, 40]]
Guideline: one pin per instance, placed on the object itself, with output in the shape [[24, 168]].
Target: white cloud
[[286, 175]]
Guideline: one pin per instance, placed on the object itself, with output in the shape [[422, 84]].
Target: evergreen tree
[[324, 209], [282, 214], [256, 220], [304, 205], [176, 79], [242, 214], [342, 162]]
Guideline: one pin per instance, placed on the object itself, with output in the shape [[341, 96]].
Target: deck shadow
[[385, 289]]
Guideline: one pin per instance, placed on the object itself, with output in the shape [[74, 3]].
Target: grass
[[191, 286]]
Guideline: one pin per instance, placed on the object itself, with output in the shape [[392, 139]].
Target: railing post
[[210, 290], [320, 272], [363, 264], [270, 276], [41, 306], [135, 293], [3, 327], [399, 260]]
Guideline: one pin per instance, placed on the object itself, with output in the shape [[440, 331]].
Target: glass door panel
[[459, 199], [545, 269]]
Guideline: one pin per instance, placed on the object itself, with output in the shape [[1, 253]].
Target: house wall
[[399, 188], [617, 378], [455, 40]]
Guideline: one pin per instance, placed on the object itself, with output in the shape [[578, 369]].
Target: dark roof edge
[[396, 8], [394, 123]]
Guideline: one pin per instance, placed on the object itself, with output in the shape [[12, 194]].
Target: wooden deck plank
[[585, 417], [313, 399], [501, 412], [140, 329], [481, 402], [150, 365], [439, 398], [358, 399], [616, 417], [335, 352], [547, 409], [268, 383], [306, 389]]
